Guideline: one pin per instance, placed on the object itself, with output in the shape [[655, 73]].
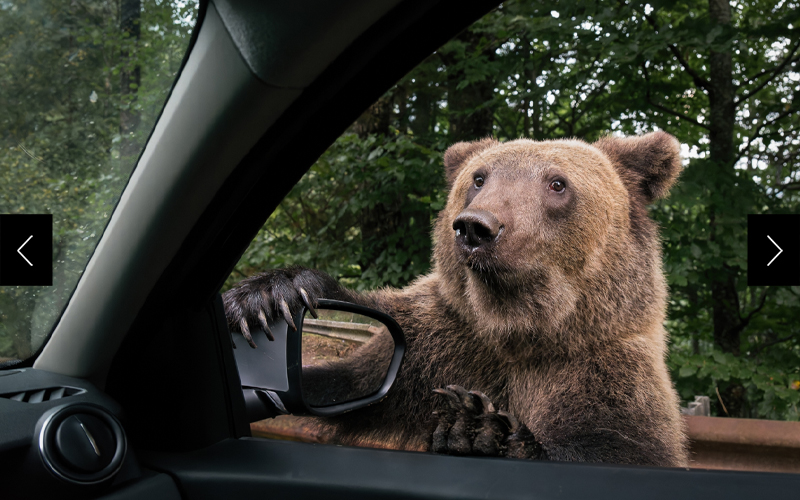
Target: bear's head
[[551, 241]]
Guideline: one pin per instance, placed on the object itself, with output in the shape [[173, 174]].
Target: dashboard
[[62, 435]]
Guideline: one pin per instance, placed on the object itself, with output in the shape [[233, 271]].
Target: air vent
[[40, 395], [81, 443]]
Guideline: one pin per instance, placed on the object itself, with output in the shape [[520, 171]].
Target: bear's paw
[[279, 293], [469, 424]]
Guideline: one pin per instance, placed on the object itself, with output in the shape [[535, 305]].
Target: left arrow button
[[26, 250], [19, 250]]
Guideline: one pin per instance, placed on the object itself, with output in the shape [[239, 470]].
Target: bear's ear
[[459, 153], [648, 164]]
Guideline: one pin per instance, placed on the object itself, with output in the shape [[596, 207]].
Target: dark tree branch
[[572, 121], [789, 186], [784, 132], [698, 80], [775, 72], [771, 343], [758, 133], [592, 95], [750, 80], [762, 302], [503, 130], [518, 117], [548, 132], [305, 212], [664, 108], [744, 321]]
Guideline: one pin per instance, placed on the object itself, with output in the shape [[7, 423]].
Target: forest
[[81, 85], [723, 77]]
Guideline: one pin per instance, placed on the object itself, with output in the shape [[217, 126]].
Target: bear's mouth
[[482, 260], [505, 283]]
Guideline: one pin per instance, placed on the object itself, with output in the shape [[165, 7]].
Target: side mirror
[[344, 359]]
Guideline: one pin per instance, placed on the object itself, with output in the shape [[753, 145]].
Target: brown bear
[[546, 295]]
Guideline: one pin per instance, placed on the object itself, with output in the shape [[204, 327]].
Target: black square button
[[26, 250], [773, 250]]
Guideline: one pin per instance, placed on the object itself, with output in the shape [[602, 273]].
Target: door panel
[[252, 468]]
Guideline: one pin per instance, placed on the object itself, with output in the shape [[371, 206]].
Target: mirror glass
[[345, 356]]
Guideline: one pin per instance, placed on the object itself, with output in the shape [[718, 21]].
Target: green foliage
[[61, 147], [320, 222], [771, 384]]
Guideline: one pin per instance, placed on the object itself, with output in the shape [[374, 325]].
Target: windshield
[[81, 87]]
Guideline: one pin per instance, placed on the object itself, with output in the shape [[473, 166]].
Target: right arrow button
[[780, 250], [773, 249]]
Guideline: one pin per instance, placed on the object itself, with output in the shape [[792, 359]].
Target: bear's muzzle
[[476, 229]]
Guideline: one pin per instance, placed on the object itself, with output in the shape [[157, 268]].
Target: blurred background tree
[[81, 85], [721, 76]]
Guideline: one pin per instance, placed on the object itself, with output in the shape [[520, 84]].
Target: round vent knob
[[85, 443], [82, 443]]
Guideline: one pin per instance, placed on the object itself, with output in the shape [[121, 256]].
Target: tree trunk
[[130, 78], [384, 218], [722, 119], [423, 113], [376, 119], [724, 298], [470, 115]]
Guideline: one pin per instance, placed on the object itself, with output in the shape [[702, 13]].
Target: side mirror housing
[[345, 359]]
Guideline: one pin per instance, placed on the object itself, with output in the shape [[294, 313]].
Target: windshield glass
[[81, 87]]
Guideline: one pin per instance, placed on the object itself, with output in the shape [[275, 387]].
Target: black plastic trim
[[151, 486], [18, 420], [48, 394], [277, 389], [234, 399], [251, 468]]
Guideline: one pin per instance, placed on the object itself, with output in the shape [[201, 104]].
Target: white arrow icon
[[776, 255], [26, 242]]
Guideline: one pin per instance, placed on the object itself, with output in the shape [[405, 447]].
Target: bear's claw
[[274, 294], [262, 320], [287, 315], [307, 302], [246, 332], [468, 424]]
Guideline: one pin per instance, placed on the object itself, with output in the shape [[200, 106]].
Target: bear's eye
[[478, 180], [558, 186]]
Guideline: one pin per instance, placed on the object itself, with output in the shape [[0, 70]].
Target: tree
[[63, 102], [130, 13], [736, 64]]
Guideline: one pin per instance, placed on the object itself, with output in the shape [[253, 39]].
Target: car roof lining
[[315, 31]]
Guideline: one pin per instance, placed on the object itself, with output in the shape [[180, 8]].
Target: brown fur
[[559, 321]]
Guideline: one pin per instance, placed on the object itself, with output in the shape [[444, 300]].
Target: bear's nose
[[475, 228]]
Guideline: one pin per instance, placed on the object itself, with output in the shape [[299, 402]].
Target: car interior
[[142, 358]]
